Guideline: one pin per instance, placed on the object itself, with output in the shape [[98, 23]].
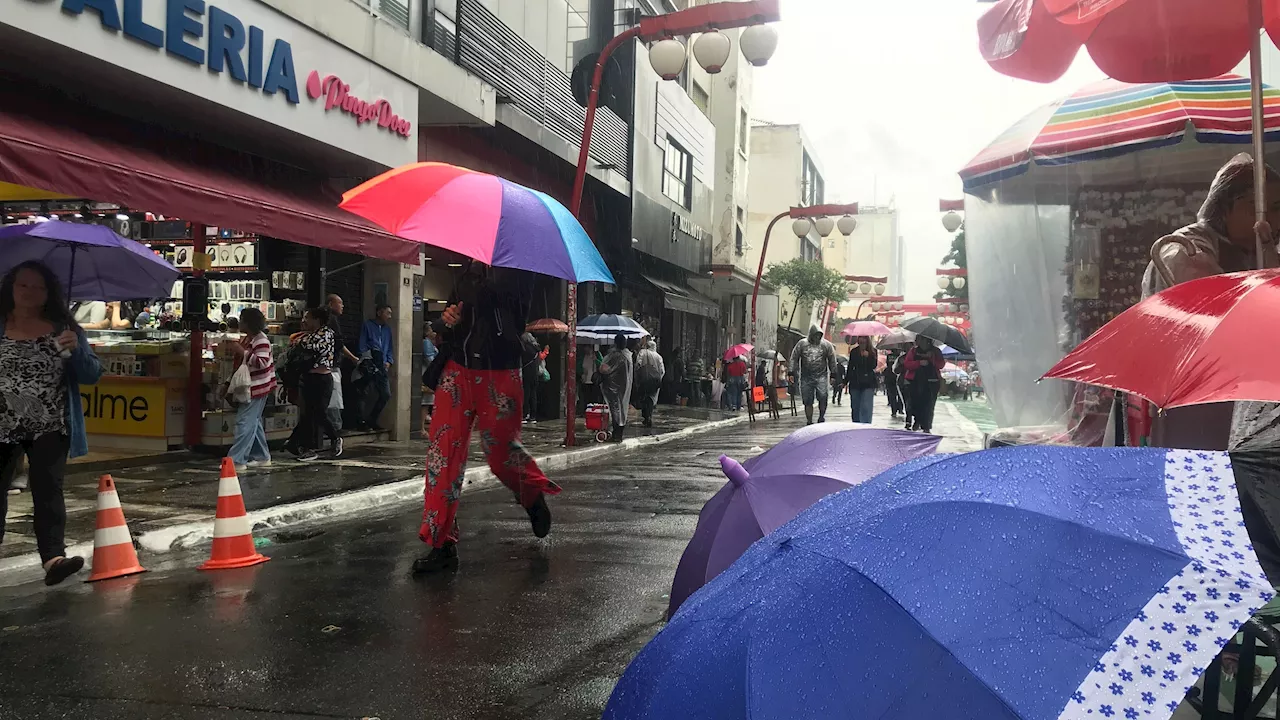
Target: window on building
[[812, 187], [739, 237], [701, 98], [744, 130], [677, 173]]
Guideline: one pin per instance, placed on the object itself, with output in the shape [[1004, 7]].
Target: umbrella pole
[[1259, 123], [71, 273]]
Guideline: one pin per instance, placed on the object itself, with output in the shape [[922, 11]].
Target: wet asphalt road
[[335, 627]]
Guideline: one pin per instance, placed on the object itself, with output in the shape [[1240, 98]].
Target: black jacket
[[861, 374], [495, 304]]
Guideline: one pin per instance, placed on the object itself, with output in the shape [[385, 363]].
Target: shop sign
[[113, 407], [337, 94], [682, 224], [230, 46]]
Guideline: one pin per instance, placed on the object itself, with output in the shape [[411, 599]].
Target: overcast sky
[[896, 99]]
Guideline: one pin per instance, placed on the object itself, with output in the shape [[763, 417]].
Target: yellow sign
[[113, 407], [201, 261]]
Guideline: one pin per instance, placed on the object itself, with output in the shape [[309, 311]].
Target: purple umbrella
[[95, 262], [769, 490]]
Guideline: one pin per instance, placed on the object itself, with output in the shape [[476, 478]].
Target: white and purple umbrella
[[93, 261]]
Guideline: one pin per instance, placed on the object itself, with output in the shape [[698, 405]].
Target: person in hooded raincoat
[[1224, 236], [615, 383], [813, 361], [650, 369]]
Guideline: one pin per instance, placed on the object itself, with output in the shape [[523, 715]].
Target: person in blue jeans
[[861, 379], [375, 339], [254, 351]]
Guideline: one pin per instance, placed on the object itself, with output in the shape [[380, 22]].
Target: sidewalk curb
[[186, 535]]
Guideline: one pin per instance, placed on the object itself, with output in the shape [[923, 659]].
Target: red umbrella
[[547, 325], [1201, 341], [1135, 41]]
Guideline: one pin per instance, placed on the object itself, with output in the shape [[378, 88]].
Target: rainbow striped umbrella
[[1110, 118], [481, 216]]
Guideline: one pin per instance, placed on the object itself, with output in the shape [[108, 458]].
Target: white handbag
[[239, 389]]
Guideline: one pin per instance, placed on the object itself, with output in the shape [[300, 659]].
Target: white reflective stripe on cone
[[229, 486], [231, 527], [118, 535], [108, 500]]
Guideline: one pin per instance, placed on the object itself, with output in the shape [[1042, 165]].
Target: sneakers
[[259, 463], [63, 569], [336, 447], [441, 558], [308, 456], [241, 467], [540, 516]]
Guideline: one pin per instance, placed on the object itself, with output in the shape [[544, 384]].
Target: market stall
[[1061, 212]]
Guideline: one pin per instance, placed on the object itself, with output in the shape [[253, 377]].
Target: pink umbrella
[[867, 328], [738, 350]]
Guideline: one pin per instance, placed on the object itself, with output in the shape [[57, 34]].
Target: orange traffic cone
[[113, 553], [232, 536]]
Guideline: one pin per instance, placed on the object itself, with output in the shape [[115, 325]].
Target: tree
[[810, 281], [960, 258]]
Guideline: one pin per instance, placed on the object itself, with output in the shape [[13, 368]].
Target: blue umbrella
[[1032, 583], [95, 262]]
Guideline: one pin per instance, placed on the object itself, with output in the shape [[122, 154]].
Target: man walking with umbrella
[[813, 361]]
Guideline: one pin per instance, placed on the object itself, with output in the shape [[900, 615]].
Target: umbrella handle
[[1158, 247]]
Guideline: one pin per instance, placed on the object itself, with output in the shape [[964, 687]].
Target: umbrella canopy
[[95, 262], [866, 328], [897, 340], [547, 325], [1110, 118], [1208, 331], [1130, 40], [939, 332], [739, 350], [1098, 583], [954, 374], [481, 216], [768, 355], [769, 490], [604, 328]]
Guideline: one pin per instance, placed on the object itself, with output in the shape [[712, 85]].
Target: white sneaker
[[241, 467], [259, 463]]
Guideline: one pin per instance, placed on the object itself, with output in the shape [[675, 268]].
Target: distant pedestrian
[[532, 357], [812, 361], [891, 390], [861, 379], [737, 385], [615, 382], [376, 341], [44, 359], [481, 387], [429, 353], [924, 364], [311, 362], [342, 356], [695, 371], [837, 379], [650, 370], [253, 351]]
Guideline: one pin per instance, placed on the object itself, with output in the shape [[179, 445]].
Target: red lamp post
[[698, 19]]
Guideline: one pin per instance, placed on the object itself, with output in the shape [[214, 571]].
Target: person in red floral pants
[[479, 387]]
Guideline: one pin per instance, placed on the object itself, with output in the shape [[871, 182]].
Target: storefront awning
[[684, 299], [84, 153]]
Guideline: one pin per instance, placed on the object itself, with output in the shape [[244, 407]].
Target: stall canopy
[[685, 300], [97, 156]]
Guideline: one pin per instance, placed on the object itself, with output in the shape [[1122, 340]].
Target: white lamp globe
[[951, 221], [825, 225], [879, 288], [964, 308], [953, 308], [942, 307], [897, 306], [711, 50], [801, 227], [758, 43], [943, 282], [865, 288], [667, 58], [847, 224], [959, 283]]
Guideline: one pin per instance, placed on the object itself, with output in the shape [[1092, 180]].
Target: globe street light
[[952, 221], [757, 43], [711, 50], [847, 225]]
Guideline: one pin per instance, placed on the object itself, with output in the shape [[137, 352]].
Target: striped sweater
[[262, 366]]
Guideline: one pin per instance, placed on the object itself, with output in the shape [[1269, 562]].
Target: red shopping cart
[[597, 419]]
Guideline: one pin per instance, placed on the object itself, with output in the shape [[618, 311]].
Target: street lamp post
[[757, 42]]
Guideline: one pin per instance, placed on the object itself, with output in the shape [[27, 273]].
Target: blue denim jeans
[[251, 437], [863, 402]]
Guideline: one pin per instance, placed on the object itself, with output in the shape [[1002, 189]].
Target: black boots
[[540, 517], [441, 558], [618, 432]]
